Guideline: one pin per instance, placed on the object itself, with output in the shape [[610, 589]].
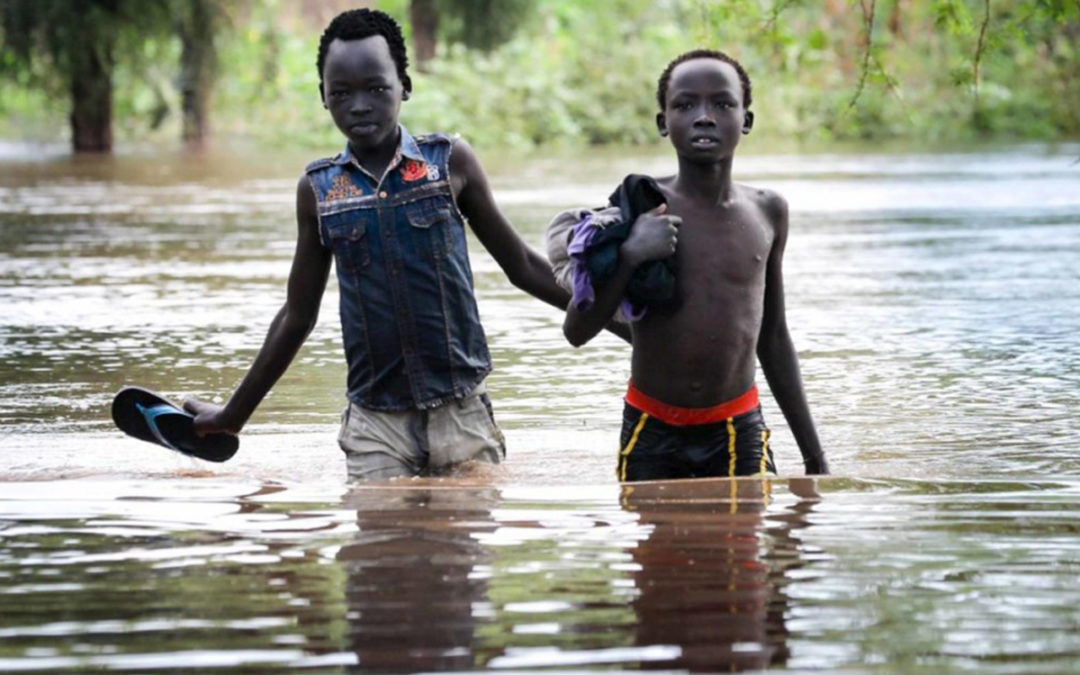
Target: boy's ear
[[322, 95], [748, 122], [661, 124], [406, 88]]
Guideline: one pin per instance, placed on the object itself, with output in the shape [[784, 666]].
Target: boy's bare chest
[[731, 243]]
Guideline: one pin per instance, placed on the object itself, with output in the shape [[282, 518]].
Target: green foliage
[[484, 24], [581, 72], [42, 39], [584, 82], [46, 44], [953, 16]]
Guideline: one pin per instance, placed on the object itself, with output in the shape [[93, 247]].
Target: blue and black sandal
[[144, 415]]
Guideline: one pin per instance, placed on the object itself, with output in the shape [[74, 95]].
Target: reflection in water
[[414, 574], [711, 573], [433, 584]]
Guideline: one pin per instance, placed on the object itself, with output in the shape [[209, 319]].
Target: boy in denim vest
[[692, 406], [389, 211]]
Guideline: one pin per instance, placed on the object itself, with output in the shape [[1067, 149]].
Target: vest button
[[382, 194]]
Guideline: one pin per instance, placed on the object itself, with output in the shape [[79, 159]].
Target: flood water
[[933, 299]]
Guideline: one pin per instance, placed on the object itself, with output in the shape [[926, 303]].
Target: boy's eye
[[379, 88], [338, 94]]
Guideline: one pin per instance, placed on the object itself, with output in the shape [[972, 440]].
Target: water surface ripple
[[709, 575], [932, 298]]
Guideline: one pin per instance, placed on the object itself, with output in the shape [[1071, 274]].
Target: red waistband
[[674, 415]]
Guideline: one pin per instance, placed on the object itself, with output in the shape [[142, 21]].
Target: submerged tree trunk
[[91, 100], [424, 16], [198, 61]]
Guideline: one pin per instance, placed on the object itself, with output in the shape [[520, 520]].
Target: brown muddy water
[[933, 299]]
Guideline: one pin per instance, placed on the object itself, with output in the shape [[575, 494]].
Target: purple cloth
[[584, 295]]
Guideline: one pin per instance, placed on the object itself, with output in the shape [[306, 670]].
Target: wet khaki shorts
[[380, 445]]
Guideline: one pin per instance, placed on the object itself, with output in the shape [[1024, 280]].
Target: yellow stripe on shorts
[[731, 445], [620, 472], [764, 451]]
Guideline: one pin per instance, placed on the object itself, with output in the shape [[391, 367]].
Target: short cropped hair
[[357, 24], [665, 77]]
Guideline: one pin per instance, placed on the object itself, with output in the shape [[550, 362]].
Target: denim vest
[[411, 328]]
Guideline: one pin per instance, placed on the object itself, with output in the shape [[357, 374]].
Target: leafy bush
[[580, 72]]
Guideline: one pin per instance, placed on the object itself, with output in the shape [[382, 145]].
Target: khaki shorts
[[380, 445]]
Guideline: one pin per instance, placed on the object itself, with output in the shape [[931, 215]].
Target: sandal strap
[[151, 413]]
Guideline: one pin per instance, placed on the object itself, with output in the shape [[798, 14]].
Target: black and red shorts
[[661, 441]]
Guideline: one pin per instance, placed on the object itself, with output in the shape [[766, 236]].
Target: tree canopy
[[524, 73]]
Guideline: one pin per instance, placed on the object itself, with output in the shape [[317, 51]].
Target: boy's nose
[[360, 106], [704, 118]]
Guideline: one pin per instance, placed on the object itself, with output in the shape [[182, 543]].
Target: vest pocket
[[349, 241], [425, 218], [430, 228]]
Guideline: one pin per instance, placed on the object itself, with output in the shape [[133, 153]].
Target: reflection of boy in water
[[692, 407], [412, 577], [710, 576]]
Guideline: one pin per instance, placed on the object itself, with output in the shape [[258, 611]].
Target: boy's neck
[[709, 183], [376, 159]]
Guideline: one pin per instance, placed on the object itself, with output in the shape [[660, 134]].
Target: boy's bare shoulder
[[772, 203], [463, 159], [306, 200]]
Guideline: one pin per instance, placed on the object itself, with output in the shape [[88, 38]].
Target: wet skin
[[703, 352], [729, 242], [363, 93]]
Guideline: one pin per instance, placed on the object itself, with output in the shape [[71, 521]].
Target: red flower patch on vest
[[413, 170]]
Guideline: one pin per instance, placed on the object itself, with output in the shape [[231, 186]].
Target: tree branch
[[979, 48], [868, 21], [774, 14]]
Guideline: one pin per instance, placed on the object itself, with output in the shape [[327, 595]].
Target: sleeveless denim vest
[[411, 328]]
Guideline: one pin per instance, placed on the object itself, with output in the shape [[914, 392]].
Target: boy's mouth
[[363, 128], [704, 141]]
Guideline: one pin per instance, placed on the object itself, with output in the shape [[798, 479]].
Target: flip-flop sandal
[[144, 415]]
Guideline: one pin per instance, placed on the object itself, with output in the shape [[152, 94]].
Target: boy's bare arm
[[652, 237], [288, 330], [776, 351], [523, 266]]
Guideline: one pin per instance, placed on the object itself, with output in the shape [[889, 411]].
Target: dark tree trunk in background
[[896, 18], [198, 61], [425, 23], [91, 100]]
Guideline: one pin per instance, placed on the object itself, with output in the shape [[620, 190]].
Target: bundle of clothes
[[583, 247]]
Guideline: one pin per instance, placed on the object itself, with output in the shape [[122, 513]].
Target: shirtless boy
[[692, 407]]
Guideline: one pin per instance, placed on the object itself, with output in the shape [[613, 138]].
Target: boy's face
[[362, 91], [703, 113]]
